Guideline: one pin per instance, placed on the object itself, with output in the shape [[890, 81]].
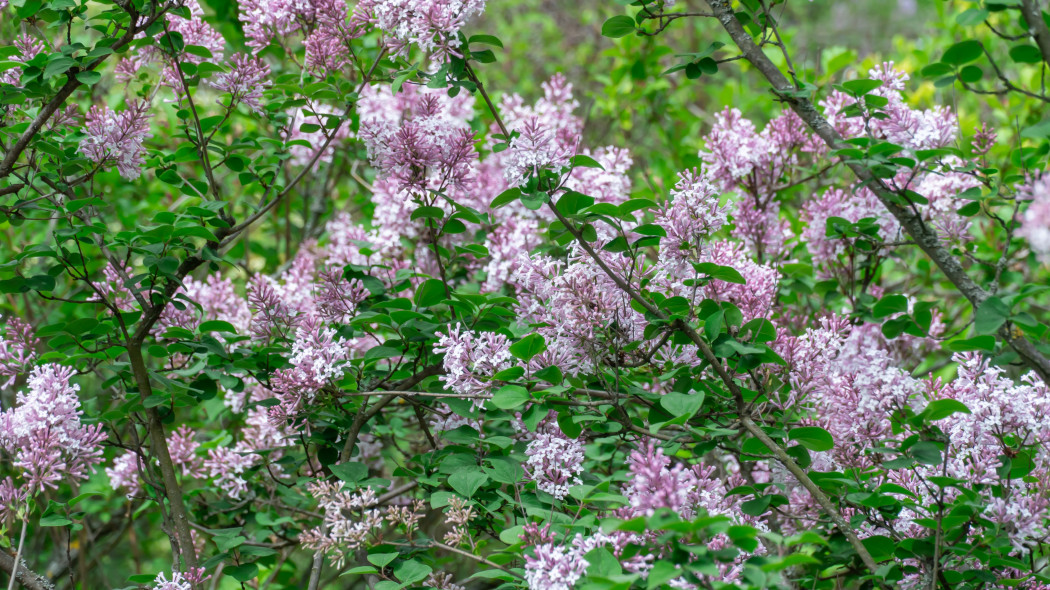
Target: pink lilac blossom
[[227, 466], [183, 451], [471, 360], [577, 307], [44, 433], [116, 138], [984, 139], [28, 47], [13, 499], [263, 20], [431, 25], [125, 473], [194, 31], [554, 567], [554, 110], [442, 581], [338, 298], [247, 78], [318, 358], [217, 298], [326, 52], [554, 462], [177, 582], [1035, 221], [273, 318], [506, 243], [17, 349], [349, 518], [755, 165], [429, 149], [754, 298], [851, 206], [609, 184], [535, 150], [692, 216]]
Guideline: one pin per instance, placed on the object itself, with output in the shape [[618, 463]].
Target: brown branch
[[1033, 15], [26, 577]]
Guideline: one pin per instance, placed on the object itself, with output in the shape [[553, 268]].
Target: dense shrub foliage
[[296, 296]]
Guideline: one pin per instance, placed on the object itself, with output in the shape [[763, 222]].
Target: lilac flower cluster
[[692, 216], [555, 462], [431, 25], [653, 484], [471, 360], [1035, 222], [429, 149], [17, 349], [28, 47], [349, 518], [44, 435], [114, 138], [245, 81]]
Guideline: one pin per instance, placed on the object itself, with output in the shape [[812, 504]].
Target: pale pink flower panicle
[[554, 462], [1035, 221], [431, 25], [116, 138], [44, 433], [245, 82], [471, 359]]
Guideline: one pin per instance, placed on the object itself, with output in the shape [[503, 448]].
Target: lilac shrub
[[317, 307]]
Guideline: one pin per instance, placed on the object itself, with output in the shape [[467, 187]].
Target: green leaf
[[57, 66], [504, 469], [985, 343], [1037, 131], [55, 520], [1026, 54], [551, 374], [990, 316], [942, 408], [813, 438], [430, 292], [217, 326], [583, 161], [618, 26], [243, 572], [511, 536], [963, 52], [381, 559], [506, 197], [682, 404], [568, 426], [528, 347], [890, 305], [510, 397], [486, 40], [572, 202], [756, 507], [880, 547], [350, 472], [861, 87], [722, 273], [428, 213], [467, 481], [89, 78], [971, 17]]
